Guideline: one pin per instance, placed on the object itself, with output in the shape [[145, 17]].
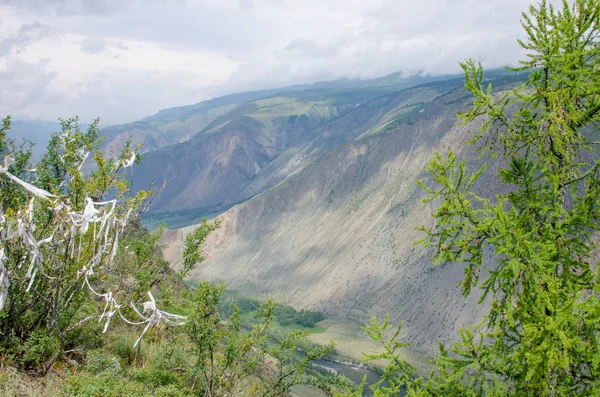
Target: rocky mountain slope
[[337, 235], [179, 124], [262, 142], [251, 148]]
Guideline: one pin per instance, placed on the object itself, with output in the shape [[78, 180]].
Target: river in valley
[[353, 372]]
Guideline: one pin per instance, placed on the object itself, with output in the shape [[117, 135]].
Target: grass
[[317, 329], [15, 383], [294, 320], [179, 219]]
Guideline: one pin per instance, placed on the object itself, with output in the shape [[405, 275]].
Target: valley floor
[[306, 391], [351, 343]]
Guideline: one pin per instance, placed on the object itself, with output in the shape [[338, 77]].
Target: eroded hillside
[[338, 235], [263, 142]]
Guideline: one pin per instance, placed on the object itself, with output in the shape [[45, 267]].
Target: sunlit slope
[[174, 125], [338, 235]]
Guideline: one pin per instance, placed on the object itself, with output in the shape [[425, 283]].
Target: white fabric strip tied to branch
[[8, 161], [155, 316], [104, 219], [4, 281], [112, 307], [126, 163]]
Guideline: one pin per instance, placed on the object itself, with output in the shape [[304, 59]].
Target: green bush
[[97, 362], [122, 347], [172, 391], [287, 315], [156, 376], [89, 336], [9, 345], [38, 349], [163, 368], [103, 385]]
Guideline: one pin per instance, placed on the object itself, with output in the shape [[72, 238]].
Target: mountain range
[[259, 143], [316, 188], [324, 203]]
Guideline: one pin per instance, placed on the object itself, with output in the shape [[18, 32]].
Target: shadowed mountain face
[[260, 143], [337, 234]]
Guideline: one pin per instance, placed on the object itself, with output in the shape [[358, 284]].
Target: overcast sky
[[123, 60]]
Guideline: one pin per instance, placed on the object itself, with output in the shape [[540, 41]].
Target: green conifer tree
[[541, 336]]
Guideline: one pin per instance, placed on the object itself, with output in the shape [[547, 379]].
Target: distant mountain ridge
[[178, 124], [274, 137]]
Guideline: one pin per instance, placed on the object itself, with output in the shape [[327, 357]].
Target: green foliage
[[282, 314], [46, 252], [540, 337], [286, 315], [192, 253], [228, 356], [108, 384], [3, 130], [121, 346], [157, 375], [105, 385], [97, 362], [38, 349], [233, 299], [140, 266], [290, 366]]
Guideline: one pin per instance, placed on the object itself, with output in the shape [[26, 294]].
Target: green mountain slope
[[178, 124]]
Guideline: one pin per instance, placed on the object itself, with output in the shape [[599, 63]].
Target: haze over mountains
[[245, 147], [328, 203], [315, 185]]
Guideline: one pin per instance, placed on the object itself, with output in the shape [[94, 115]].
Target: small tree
[[72, 250], [231, 360], [59, 237], [541, 335]]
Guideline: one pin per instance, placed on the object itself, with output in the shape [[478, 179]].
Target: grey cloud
[[123, 97], [26, 34], [73, 7], [208, 25], [98, 45], [102, 6], [278, 43], [311, 48], [246, 4], [448, 18], [211, 27], [23, 86], [94, 45], [116, 97]]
